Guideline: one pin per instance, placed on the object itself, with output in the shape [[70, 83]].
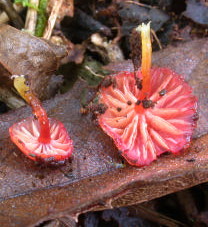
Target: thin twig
[[119, 35], [4, 17], [154, 216], [52, 19], [156, 38], [14, 17], [31, 17], [95, 74], [139, 4]]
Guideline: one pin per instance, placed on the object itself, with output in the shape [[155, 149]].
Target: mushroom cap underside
[[25, 135], [144, 132]]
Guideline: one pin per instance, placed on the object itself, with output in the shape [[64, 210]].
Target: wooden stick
[[52, 19], [31, 17]]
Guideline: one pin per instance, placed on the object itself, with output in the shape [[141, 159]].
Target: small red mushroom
[[150, 113], [42, 139]]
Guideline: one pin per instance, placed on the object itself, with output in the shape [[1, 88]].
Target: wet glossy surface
[[95, 178], [145, 126]]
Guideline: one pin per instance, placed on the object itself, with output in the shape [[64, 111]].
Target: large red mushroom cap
[[149, 113], [143, 129], [41, 138]]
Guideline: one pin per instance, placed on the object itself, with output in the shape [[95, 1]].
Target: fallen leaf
[[96, 177], [197, 11], [75, 51], [109, 51], [133, 14], [24, 54]]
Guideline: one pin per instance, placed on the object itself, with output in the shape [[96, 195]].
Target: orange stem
[[146, 57], [38, 111]]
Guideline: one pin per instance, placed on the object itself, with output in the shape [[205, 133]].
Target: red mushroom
[[149, 114], [41, 138]]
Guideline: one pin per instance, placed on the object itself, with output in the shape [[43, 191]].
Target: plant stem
[[31, 17], [52, 19], [42, 18], [8, 7], [38, 111], [4, 18]]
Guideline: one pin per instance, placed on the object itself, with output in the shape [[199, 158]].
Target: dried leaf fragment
[[24, 54]]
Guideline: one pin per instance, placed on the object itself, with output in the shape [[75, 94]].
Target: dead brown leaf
[[24, 54], [75, 51], [96, 178], [197, 11]]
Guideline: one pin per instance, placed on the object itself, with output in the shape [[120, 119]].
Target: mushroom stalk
[[146, 57], [38, 111], [148, 112], [40, 138]]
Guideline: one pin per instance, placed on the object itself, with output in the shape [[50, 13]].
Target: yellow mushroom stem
[[146, 56], [24, 90]]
